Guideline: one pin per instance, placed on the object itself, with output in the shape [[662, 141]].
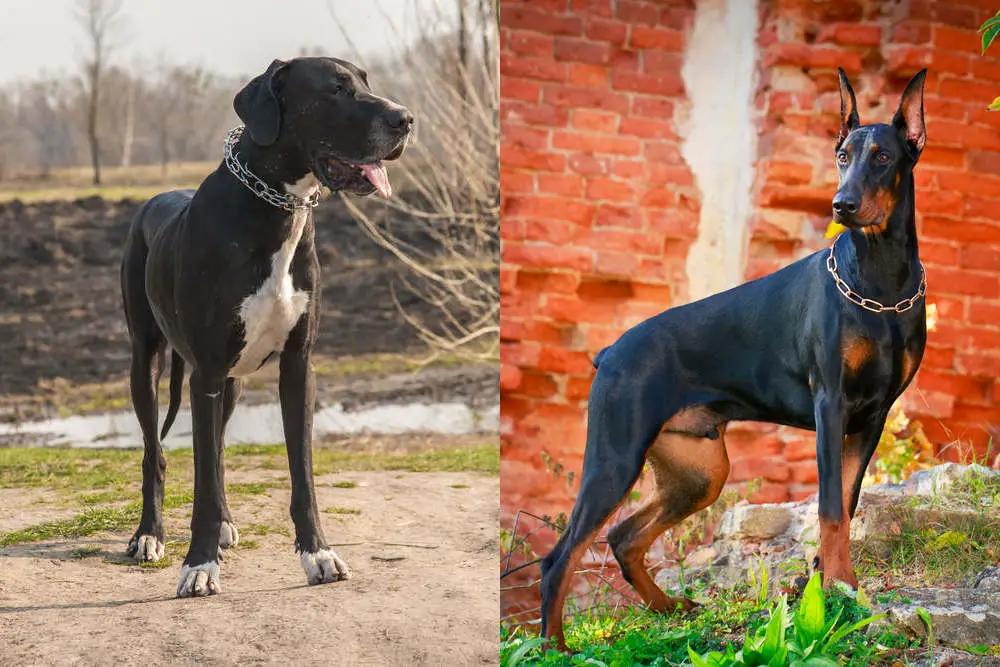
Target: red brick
[[744, 469], [769, 492], [547, 281], [550, 208], [982, 257], [912, 32], [592, 289], [984, 312], [957, 281], [789, 173], [558, 360], [576, 96], [667, 83], [564, 185], [620, 240], [516, 182], [938, 357], [606, 31], [647, 128], [983, 364], [520, 16], [656, 38], [804, 472], [532, 68], [940, 107], [634, 12], [850, 34], [970, 91], [988, 209], [653, 107], [626, 217], [952, 39], [577, 388], [519, 89], [547, 256], [939, 252], [589, 143], [943, 156], [541, 331], [985, 162], [980, 184], [616, 263], [526, 137], [515, 156], [582, 50], [606, 189], [798, 54], [594, 76], [530, 43], [958, 230], [908, 60], [595, 121], [537, 385], [574, 309], [510, 377]]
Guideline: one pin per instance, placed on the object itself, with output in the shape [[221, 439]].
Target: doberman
[[813, 346]]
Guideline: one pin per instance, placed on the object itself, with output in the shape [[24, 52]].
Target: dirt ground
[[60, 299], [422, 548]]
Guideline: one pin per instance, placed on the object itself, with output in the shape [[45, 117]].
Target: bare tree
[[449, 185], [98, 18]]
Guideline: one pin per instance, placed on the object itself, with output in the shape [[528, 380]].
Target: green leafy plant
[[812, 643]]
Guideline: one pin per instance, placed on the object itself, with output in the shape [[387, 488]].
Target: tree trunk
[[129, 125], [95, 146]]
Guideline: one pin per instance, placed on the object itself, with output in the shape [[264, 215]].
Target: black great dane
[[227, 277]]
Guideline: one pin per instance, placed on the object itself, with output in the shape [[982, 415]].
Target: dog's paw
[[199, 580], [145, 548], [229, 537], [324, 566]]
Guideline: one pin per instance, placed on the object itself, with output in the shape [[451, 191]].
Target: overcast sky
[[226, 36]]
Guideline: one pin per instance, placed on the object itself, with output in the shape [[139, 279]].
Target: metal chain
[[871, 304], [285, 200]]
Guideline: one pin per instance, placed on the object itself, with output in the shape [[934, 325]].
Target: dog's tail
[[176, 385]]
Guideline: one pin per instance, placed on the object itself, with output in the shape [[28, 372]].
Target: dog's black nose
[[843, 205], [399, 119]]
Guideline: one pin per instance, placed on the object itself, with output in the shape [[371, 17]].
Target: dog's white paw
[[199, 580], [324, 566], [229, 537], [146, 548]]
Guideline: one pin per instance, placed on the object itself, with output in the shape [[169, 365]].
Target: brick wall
[[599, 208]]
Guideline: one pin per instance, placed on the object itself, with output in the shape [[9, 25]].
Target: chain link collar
[[285, 200], [870, 304]]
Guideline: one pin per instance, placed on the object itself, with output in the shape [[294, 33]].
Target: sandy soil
[[422, 550]]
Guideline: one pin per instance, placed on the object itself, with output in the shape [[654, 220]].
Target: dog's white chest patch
[[270, 313]]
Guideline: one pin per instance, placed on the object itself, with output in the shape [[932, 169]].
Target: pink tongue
[[378, 176]]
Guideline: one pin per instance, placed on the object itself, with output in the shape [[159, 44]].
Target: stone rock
[[960, 616], [987, 580], [940, 478], [756, 522]]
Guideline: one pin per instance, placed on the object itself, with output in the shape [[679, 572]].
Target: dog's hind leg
[[609, 471], [148, 357], [228, 535], [690, 472]]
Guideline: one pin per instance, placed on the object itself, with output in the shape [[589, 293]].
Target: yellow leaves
[[834, 228]]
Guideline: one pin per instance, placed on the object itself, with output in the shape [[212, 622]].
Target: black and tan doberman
[[826, 344]]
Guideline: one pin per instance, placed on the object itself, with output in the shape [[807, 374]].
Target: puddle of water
[[259, 424]]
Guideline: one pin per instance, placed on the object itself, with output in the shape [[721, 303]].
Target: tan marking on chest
[[857, 351], [909, 365]]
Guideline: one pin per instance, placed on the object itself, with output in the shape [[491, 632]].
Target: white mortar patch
[[721, 139]]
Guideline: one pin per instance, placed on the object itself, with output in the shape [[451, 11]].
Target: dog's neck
[[886, 264], [282, 167]]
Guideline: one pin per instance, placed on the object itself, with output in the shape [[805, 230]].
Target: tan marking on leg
[[857, 351], [835, 536], [555, 610], [678, 461]]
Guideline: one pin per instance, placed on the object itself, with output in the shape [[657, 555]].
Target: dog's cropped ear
[[909, 118], [257, 105], [848, 108]]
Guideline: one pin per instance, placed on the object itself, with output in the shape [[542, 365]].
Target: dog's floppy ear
[[257, 105], [909, 118], [848, 108]]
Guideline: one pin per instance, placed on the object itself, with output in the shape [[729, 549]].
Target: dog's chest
[[269, 314]]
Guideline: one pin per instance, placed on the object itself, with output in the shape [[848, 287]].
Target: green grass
[[630, 635], [250, 488], [341, 510], [344, 485], [484, 458], [933, 543]]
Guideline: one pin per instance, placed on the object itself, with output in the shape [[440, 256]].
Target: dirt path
[[433, 602]]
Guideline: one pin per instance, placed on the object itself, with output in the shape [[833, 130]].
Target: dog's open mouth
[[359, 179]]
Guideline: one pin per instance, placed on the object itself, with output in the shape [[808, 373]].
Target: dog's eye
[[881, 157], [842, 157], [338, 89]]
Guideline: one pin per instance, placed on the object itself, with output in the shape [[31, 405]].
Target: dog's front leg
[[297, 392], [834, 558], [200, 572]]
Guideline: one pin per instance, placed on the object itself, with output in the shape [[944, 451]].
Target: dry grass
[[136, 182]]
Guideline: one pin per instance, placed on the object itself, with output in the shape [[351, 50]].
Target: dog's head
[[873, 160], [324, 109]]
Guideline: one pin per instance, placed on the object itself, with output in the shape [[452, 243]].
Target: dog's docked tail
[[176, 385]]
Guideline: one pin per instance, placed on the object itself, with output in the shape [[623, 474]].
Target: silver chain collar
[[285, 200], [870, 304]]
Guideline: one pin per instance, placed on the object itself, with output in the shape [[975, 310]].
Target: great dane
[[227, 277]]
